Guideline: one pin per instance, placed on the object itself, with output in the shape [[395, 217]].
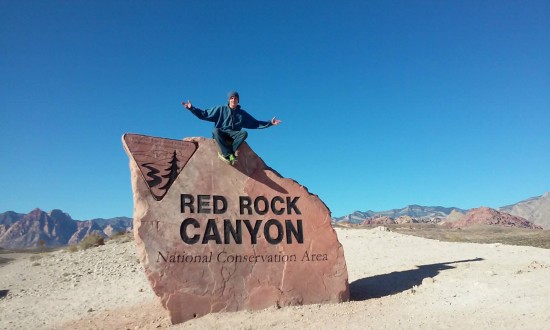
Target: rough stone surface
[[297, 260]]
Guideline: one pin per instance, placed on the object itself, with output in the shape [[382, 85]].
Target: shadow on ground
[[388, 284]]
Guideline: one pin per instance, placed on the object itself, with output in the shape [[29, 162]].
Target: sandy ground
[[396, 282]]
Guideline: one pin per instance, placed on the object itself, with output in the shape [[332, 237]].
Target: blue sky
[[384, 103]]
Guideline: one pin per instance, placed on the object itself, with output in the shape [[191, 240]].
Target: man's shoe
[[224, 158]]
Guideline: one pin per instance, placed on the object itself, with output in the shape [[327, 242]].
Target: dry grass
[[475, 234], [122, 237], [93, 240], [35, 257]]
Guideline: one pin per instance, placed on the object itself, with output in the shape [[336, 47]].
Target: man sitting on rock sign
[[229, 120]]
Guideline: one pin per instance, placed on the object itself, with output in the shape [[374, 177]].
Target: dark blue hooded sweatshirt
[[226, 119]]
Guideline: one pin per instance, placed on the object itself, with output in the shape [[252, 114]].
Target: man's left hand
[[275, 122]]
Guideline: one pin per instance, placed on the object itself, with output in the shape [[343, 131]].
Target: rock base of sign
[[215, 237]]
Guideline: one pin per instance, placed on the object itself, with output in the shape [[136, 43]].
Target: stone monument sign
[[215, 237]]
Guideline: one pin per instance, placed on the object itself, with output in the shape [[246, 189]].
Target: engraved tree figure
[[172, 172]]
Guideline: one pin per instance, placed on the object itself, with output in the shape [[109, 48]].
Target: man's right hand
[[187, 105]]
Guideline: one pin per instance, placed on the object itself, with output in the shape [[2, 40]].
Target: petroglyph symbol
[[160, 161], [153, 223]]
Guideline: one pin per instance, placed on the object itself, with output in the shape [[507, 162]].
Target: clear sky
[[384, 103]]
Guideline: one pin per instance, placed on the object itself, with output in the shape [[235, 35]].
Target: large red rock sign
[[213, 237]]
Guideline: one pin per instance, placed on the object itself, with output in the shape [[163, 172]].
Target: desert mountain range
[[421, 213], [56, 228], [535, 210]]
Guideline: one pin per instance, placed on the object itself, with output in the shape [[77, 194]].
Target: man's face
[[233, 102]]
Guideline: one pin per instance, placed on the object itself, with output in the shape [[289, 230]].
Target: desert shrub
[[93, 240], [118, 234], [35, 257], [122, 237], [72, 248]]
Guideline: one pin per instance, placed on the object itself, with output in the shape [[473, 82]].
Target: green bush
[[93, 240]]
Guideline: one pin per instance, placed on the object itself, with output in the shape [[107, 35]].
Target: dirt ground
[[397, 281]]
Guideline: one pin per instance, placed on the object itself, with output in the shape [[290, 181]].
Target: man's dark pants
[[228, 140]]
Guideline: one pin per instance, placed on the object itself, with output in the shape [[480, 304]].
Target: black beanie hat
[[233, 93]]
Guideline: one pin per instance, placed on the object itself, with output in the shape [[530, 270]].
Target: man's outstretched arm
[[208, 115]]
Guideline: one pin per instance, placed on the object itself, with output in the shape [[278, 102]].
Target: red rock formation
[[223, 238], [488, 216], [379, 221]]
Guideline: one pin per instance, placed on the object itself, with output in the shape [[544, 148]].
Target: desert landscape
[[289, 165], [397, 281]]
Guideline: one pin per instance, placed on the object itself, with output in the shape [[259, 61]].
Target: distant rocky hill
[[454, 216], [417, 212], [488, 216], [535, 209], [38, 228]]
